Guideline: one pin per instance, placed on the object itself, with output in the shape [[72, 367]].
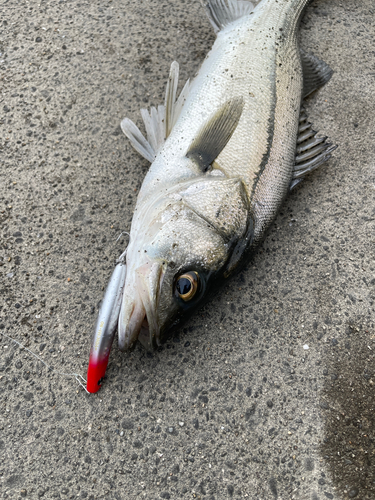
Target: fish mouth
[[138, 316]]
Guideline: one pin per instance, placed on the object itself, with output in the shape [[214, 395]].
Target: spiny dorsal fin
[[214, 136], [221, 13], [316, 73], [159, 121], [311, 151]]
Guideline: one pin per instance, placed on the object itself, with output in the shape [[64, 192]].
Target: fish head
[[190, 243]]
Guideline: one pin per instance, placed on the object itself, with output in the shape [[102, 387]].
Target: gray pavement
[[268, 391]]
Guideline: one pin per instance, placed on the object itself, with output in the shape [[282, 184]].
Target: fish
[[224, 155]]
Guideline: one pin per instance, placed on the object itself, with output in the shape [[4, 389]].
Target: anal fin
[[311, 151]]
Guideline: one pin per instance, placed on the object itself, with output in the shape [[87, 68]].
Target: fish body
[[255, 58], [223, 160]]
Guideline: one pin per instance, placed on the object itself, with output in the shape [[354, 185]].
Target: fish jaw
[[149, 281], [132, 315], [138, 316]]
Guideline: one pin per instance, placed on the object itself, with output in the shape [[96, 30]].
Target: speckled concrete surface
[[234, 406]]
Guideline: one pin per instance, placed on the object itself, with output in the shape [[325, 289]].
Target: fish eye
[[187, 285]]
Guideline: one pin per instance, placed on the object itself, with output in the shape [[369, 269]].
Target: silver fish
[[224, 156]]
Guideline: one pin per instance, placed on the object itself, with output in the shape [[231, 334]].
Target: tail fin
[[222, 12]]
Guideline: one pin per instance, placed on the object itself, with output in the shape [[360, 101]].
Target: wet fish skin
[[203, 208]]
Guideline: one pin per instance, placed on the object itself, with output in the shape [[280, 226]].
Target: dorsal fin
[[215, 134], [221, 13], [316, 73], [311, 151]]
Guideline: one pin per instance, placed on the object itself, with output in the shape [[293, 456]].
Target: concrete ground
[[235, 405]]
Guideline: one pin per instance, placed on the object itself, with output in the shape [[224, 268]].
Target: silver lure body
[[223, 159]]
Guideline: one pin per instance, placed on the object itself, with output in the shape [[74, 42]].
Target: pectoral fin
[[215, 134]]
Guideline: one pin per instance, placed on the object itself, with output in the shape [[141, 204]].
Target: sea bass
[[224, 156]]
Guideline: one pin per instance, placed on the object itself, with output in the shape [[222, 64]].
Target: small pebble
[[353, 492], [306, 347]]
